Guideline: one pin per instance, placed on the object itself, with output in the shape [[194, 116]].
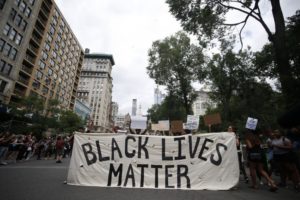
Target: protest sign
[[190, 162], [164, 125], [192, 122], [212, 119], [155, 127], [138, 122], [177, 126], [251, 123]]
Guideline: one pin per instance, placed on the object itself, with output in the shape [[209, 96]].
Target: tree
[[69, 121], [170, 109], [229, 73], [264, 59], [172, 63], [207, 18]]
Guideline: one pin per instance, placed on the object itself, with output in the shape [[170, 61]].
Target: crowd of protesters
[[271, 154], [16, 148]]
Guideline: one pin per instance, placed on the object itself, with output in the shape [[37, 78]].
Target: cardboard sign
[[138, 122], [188, 162], [176, 126], [251, 123], [155, 127], [164, 125], [212, 119]]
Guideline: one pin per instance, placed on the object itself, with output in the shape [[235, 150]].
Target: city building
[[158, 96], [134, 107], [82, 110], [114, 111], [95, 88], [39, 53], [202, 102]]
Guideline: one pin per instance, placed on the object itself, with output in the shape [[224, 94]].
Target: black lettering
[[193, 151], [115, 173], [156, 167], [143, 146], [115, 147], [204, 147], [142, 166], [128, 154], [87, 150], [184, 173], [164, 157], [167, 175], [129, 175], [100, 153], [219, 160], [180, 156]]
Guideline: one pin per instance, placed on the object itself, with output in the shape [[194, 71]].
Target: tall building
[[158, 96], [134, 107], [114, 111], [39, 53], [202, 102], [95, 88]]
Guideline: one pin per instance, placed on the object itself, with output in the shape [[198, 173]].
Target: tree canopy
[[172, 63], [208, 18]]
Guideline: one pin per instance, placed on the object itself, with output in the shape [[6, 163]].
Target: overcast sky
[[127, 28]]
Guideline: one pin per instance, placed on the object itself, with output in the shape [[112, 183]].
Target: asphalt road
[[44, 180]]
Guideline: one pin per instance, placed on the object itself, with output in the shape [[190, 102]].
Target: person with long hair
[[255, 159]]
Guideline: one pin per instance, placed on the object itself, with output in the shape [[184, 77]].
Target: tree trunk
[[281, 55]]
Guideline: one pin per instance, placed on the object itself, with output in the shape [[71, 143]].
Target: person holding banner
[[240, 155], [255, 158]]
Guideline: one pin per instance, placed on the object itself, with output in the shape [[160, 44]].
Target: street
[[44, 179]]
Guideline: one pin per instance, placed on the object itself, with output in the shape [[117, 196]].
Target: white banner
[[192, 162]]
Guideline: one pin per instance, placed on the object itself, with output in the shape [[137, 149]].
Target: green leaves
[[174, 63]]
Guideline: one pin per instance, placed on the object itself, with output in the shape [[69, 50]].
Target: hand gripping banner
[[189, 162]]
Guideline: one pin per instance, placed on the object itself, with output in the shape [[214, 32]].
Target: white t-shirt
[[280, 141]]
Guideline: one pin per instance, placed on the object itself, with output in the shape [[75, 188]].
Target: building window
[[12, 34], [31, 2], [52, 63], [36, 84], [50, 72], [18, 20], [2, 2], [45, 90], [12, 14], [2, 42], [13, 54], [17, 2], [5, 68], [22, 6], [6, 49], [18, 39], [52, 30], [44, 55], [2, 82], [39, 75], [23, 25], [6, 29], [42, 64], [27, 12], [47, 46]]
